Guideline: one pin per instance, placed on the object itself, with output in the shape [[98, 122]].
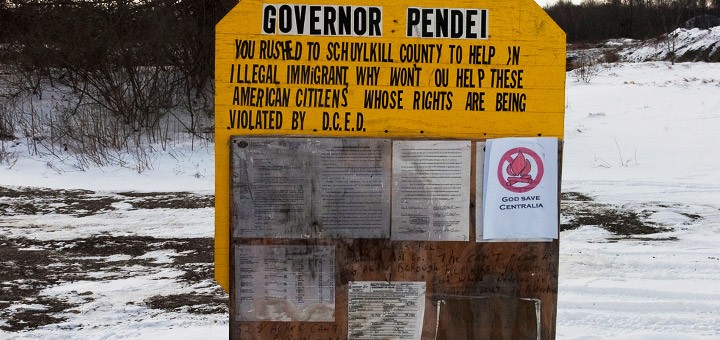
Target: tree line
[[87, 34], [97, 77], [594, 20], [83, 35]]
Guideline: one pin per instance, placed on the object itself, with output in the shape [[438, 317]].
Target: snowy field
[[644, 137], [641, 147]]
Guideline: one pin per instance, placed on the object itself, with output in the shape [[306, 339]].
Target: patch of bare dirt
[[579, 210], [168, 200], [33, 201], [29, 266]]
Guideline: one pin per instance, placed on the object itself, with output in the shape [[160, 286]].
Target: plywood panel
[[498, 290]]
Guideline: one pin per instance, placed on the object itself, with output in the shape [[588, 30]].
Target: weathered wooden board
[[481, 290], [497, 290]]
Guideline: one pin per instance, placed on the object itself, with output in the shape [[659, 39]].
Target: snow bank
[[682, 45]]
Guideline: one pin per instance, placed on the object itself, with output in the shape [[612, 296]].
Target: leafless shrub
[[7, 120], [611, 56], [586, 68], [113, 88], [670, 43], [137, 97], [104, 118], [7, 156], [7, 135]]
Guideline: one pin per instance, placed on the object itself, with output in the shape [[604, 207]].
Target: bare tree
[[129, 72]]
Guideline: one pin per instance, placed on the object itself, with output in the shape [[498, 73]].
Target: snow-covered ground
[[641, 138], [644, 137]]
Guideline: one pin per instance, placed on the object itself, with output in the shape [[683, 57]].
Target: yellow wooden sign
[[408, 69]]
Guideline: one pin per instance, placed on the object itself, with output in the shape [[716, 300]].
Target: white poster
[[385, 310], [311, 187], [285, 283], [520, 199], [431, 190], [351, 192]]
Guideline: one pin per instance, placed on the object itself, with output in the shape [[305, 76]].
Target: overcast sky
[[542, 3]]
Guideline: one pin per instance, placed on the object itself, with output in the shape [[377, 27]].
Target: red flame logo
[[519, 167], [520, 170]]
